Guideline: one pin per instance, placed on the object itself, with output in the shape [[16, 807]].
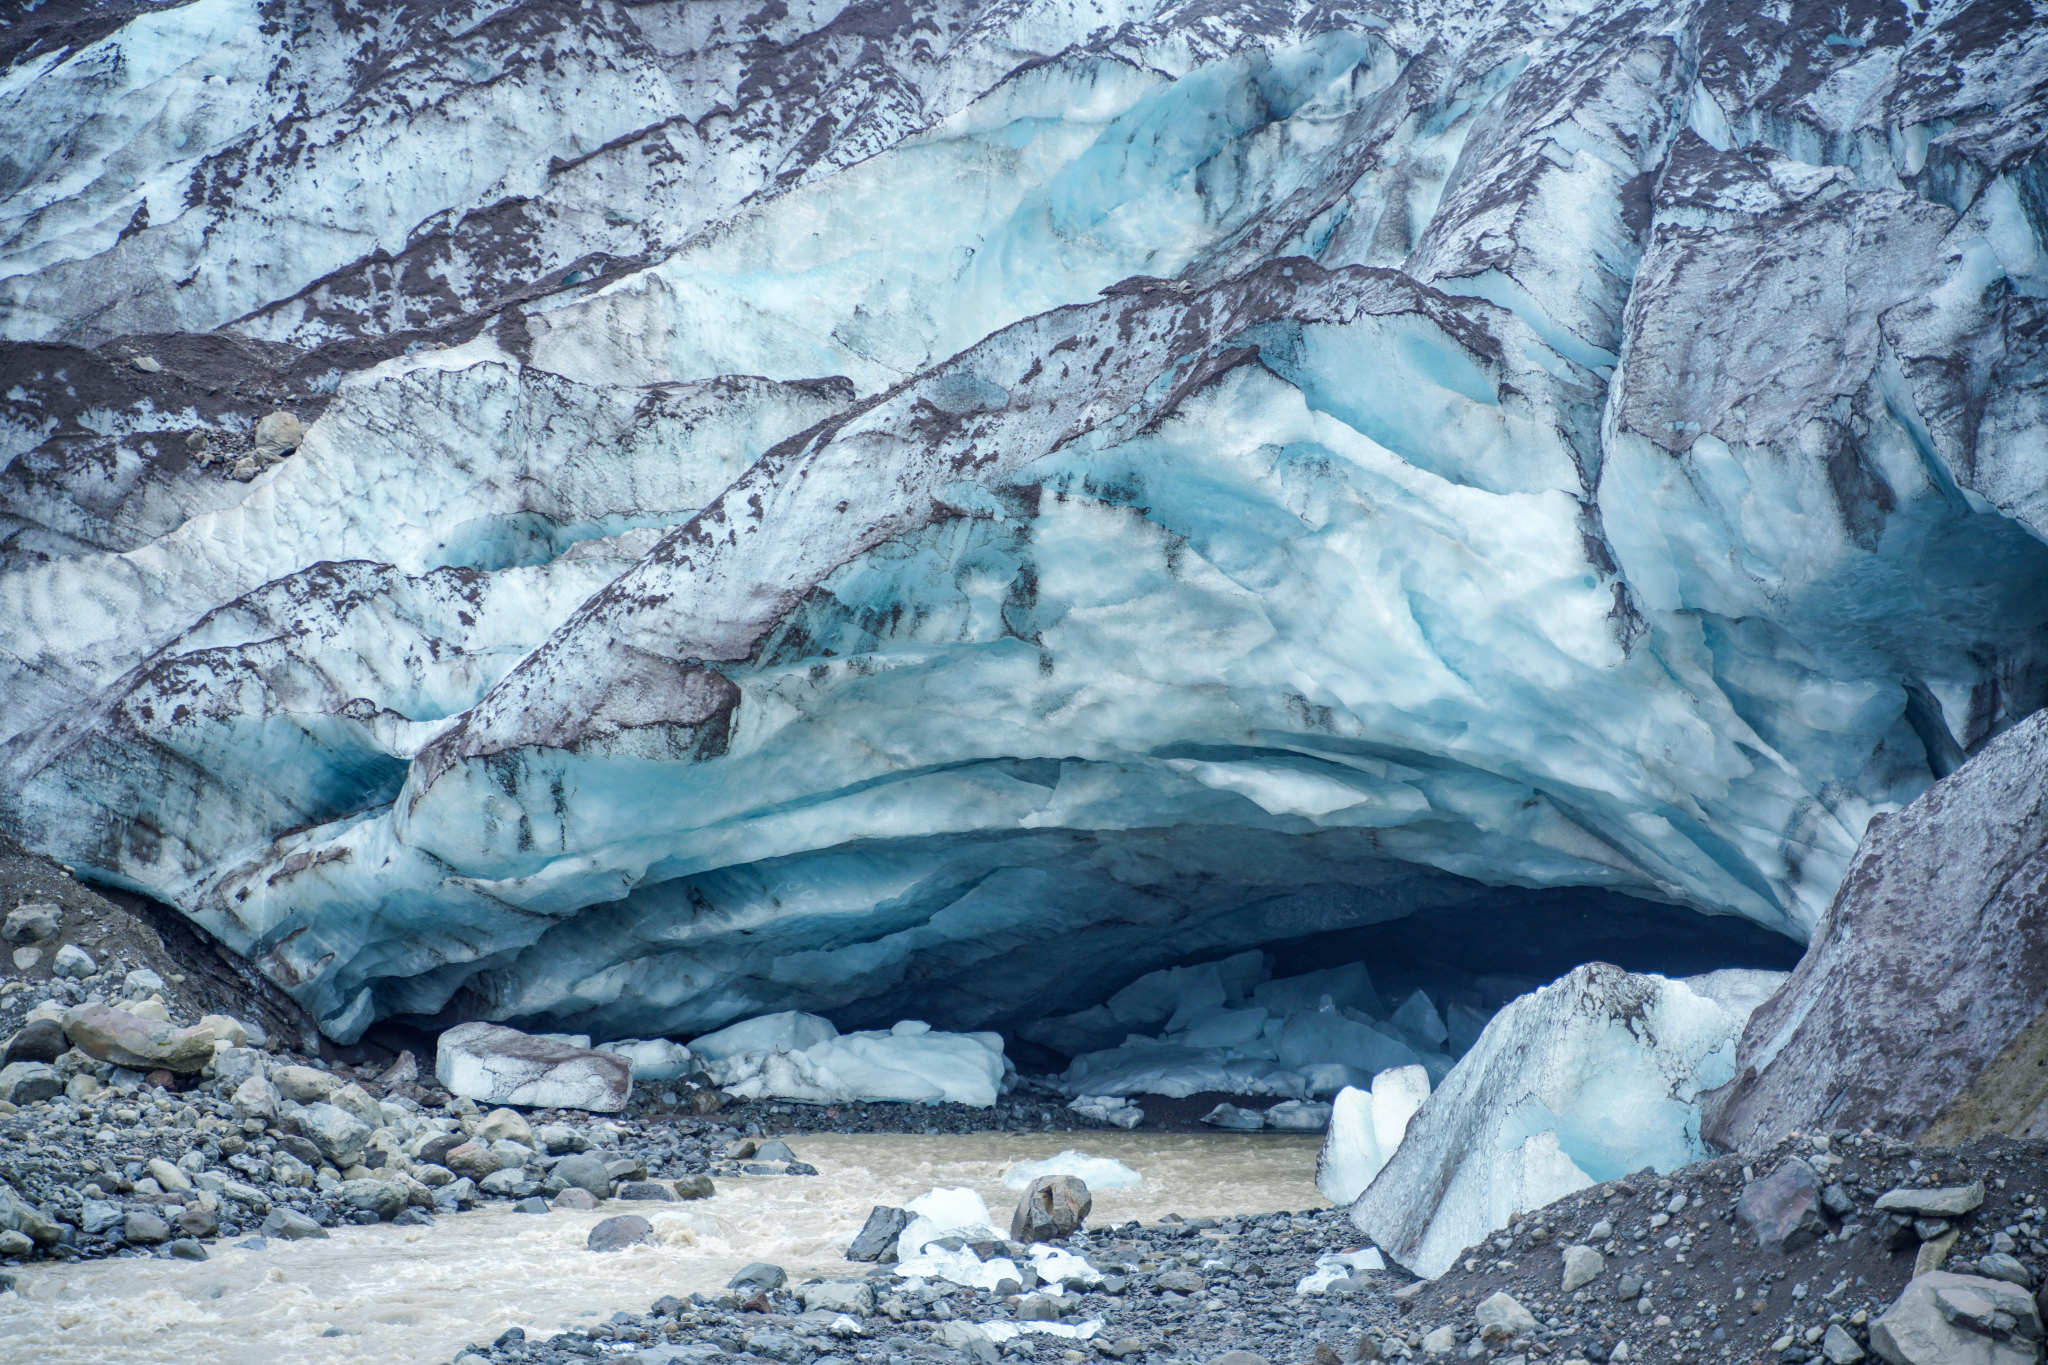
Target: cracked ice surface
[[1293, 468]]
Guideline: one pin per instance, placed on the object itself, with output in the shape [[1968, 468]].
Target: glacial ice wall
[[940, 510]]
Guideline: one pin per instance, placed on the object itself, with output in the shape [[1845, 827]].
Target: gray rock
[[839, 1296], [140, 984], [17, 1215], [776, 1150], [531, 1204], [32, 922], [1052, 1207], [339, 1135], [776, 1345], [695, 1187], [27, 1082], [574, 1199], [876, 1240], [1939, 903], [1783, 1208], [2000, 1265], [171, 1179], [73, 961], [145, 1229], [1582, 1266], [1945, 1319], [1181, 1282], [1952, 1202], [237, 1064], [95, 1216], [14, 1243], [381, 1197], [197, 1221], [754, 1278], [1839, 1347], [559, 1139], [504, 1181], [1500, 1319], [187, 1249], [40, 1041], [645, 1189], [584, 1172], [129, 1040], [355, 1101], [277, 433], [616, 1234], [305, 1084], [292, 1226], [256, 1098], [507, 1125]]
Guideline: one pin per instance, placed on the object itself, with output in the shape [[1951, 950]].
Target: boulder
[[256, 1098], [381, 1197], [584, 1172], [1052, 1207], [1945, 1319], [305, 1084], [354, 1100], [291, 1226], [197, 1220], [145, 1229], [339, 1135], [1582, 1266], [1952, 1202], [171, 1179], [1783, 1208], [27, 1082], [754, 1278], [839, 1296], [1501, 1319], [496, 1065], [141, 984], [876, 1240], [646, 1189], [695, 1187], [40, 1041], [229, 1030], [73, 961], [237, 1064], [507, 1125], [1940, 903], [116, 1036], [278, 432], [32, 922], [575, 1199], [616, 1234], [474, 1159], [18, 1215]]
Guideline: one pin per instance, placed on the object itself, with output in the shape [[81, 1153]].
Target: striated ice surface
[[800, 1056], [1365, 1130], [1076, 492]]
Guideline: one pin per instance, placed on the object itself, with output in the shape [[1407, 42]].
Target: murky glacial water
[[411, 1296]]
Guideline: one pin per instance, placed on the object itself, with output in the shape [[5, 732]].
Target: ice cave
[[1391, 567]]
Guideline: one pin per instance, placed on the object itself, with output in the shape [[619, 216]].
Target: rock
[[2000, 1265], [473, 1159], [256, 1098], [32, 922], [237, 1064], [645, 1189], [1938, 904], [1942, 1319], [305, 1084], [1178, 1282], [145, 1229], [226, 1028], [575, 1200], [1053, 1206], [404, 1071], [338, 1135], [146, 364], [561, 1140], [381, 1197], [1582, 1266], [1501, 1319], [197, 1220], [291, 1225], [756, 1277], [40, 1041], [187, 1249], [119, 1037], [1037, 1308], [876, 1240], [1783, 1208], [1238, 1358], [14, 1243], [1235, 1119], [141, 984], [838, 1296], [18, 1215], [1943, 1203], [355, 1101], [277, 433], [506, 1125], [496, 1065], [25, 958], [695, 1187], [533, 1203], [1440, 1342], [1839, 1347], [73, 961], [1933, 1254], [584, 1172], [27, 1082], [171, 1178], [616, 1234]]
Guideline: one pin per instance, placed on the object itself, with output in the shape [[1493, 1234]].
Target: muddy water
[[411, 1296]]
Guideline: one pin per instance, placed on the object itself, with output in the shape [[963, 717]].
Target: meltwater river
[[412, 1295]]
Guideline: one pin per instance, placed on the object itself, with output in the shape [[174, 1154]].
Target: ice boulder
[[652, 1059], [1365, 1129], [1097, 1172], [492, 1064], [1593, 1076], [797, 1056]]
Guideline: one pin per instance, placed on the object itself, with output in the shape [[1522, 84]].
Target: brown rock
[[473, 1159], [1783, 1208], [1053, 1207], [117, 1036]]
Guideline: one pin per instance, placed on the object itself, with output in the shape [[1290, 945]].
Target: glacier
[[940, 512]]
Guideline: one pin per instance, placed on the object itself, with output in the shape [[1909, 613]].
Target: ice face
[[1288, 470]]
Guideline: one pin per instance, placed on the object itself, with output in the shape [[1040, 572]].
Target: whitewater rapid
[[414, 1295]]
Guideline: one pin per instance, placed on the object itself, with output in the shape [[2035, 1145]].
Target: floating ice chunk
[[1594, 1076], [1417, 1017], [789, 1031], [652, 1059], [1109, 1109], [1342, 1266], [1298, 1116], [1096, 1172]]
